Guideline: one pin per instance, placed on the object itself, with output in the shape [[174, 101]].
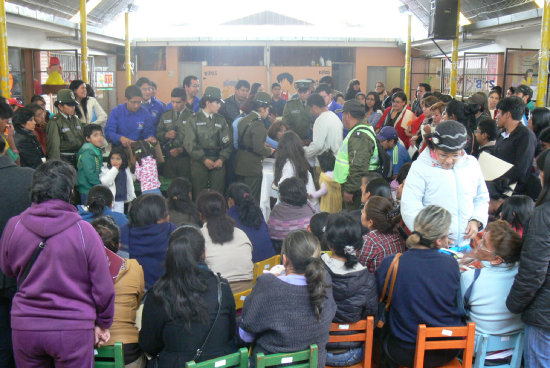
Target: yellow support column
[[454, 58], [408, 60], [128, 62], [4, 63], [84, 41], [543, 56]]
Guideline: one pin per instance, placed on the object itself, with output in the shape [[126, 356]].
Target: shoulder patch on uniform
[[167, 121], [65, 130], [217, 125], [225, 139]]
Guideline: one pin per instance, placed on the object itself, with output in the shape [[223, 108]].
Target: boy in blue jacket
[[89, 160]]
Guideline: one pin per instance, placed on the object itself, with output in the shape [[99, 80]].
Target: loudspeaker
[[443, 18]]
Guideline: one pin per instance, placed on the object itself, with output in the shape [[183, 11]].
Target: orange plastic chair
[[364, 332], [466, 343]]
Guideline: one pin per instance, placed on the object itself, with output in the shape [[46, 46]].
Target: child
[[517, 210], [330, 191], [116, 175], [383, 239], [146, 168], [89, 160]]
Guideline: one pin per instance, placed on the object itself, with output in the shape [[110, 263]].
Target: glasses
[[195, 85], [482, 246]]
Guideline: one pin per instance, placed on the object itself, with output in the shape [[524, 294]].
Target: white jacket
[[93, 107], [461, 191], [108, 176]]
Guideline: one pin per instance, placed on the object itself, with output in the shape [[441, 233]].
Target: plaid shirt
[[377, 246]]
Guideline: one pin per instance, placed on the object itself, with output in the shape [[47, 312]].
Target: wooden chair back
[[363, 331]]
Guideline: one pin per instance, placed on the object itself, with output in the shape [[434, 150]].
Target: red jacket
[[400, 125]]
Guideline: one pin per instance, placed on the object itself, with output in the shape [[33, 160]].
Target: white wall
[[529, 39]]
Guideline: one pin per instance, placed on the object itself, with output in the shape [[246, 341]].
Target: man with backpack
[[358, 154]]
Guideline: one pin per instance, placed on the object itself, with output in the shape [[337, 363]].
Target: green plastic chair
[[238, 359], [301, 359], [110, 356]]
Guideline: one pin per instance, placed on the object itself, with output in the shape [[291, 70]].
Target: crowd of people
[[150, 216]]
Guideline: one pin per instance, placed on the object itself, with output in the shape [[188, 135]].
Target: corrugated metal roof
[[266, 18]]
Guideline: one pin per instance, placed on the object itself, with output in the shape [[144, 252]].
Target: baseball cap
[[387, 133], [15, 102], [66, 97]]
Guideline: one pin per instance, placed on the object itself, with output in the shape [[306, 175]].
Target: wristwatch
[[479, 224]]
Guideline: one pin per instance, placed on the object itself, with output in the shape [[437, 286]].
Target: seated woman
[[182, 307], [30, 150], [353, 286], [287, 313], [181, 208], [127, 276], [383, 239], [146, 235], [499, 251], [425, 290], [249, 218], [228, 249], [293, 212], [100, 203]]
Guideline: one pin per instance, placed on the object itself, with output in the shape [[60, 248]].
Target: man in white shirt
[[327, 128]]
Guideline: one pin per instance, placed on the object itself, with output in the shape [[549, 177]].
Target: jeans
[[351, 357], [152, 191], [537, 347]]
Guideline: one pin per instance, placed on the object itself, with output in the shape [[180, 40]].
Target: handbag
[[383, 313]]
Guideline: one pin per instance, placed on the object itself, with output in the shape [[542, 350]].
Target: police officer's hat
[[66, 97], [213, 93], [302, 84], [262, 98]]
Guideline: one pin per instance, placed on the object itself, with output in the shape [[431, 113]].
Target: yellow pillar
[[4, 63], [454, 58], [408, 60], [543, 56], [84, 41], [128, 62]]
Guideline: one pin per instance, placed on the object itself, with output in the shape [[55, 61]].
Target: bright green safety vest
[[341, 166]]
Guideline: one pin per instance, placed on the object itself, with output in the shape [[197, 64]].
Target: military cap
[[262, 98], [66, 97], [302, 84], [213, 93], [354, 107]]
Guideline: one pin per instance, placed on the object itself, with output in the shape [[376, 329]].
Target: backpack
[[385, 164]]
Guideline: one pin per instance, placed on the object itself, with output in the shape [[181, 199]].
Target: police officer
[[252, 150], [64, 135], [296, 114], [208, 141], [170, 134], [357, 155]]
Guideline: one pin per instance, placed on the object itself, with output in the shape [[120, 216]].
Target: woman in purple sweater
[[65, 305]]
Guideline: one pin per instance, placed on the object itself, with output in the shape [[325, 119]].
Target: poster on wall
[[287, 75], [105, 79], [522, 67], [226, 77]]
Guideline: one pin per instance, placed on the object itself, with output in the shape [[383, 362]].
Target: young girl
[[329, 191], [383, 239], [146, 168], [116, 175]]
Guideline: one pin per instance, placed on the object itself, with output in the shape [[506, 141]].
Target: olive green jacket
[[63, 135], [252, 150], [298, 117], [207, 139], [169, 121], [360, 150]]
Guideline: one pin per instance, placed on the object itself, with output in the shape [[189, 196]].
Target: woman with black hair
[[517, 210], [181, 208], [399, 116], [354, 87], [228, 249], [464, 114], [530, 293], [184, 304], [353, 286], [88, 110], [374, 108], [289, 312], [100, 203], [249, 218], [145, 237], [30, 151]]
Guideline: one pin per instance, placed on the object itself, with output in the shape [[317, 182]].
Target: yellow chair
[[240, 297], [267, 264], [327, 252]]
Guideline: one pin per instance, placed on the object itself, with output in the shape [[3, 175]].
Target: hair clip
[[348, 249]]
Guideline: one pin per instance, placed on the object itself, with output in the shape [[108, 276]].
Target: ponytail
[[384, 217], [316, 285], [430, 224], [99, 197], [213, 207], [343, 236], [249, 213], [96, 206]]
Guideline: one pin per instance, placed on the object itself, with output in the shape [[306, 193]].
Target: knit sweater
[[281, 317]]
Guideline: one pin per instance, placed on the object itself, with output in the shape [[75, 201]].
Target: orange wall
[[375, 56], [167, 79]]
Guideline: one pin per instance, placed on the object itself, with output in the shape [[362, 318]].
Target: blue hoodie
[[148, 244], [133, 125], [87, 216]]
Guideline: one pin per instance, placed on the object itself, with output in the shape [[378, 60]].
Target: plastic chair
[[364, 332], [329, 252], [487, 343], [266, 264], [300, 359], [240, 297], [443, 333], [238, 359], [110, 356]]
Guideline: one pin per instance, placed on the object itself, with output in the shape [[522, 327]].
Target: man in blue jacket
[[150, 103], [129, 121]]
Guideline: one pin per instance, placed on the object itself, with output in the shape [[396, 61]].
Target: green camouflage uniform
[[179, 166], [297, 116]]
